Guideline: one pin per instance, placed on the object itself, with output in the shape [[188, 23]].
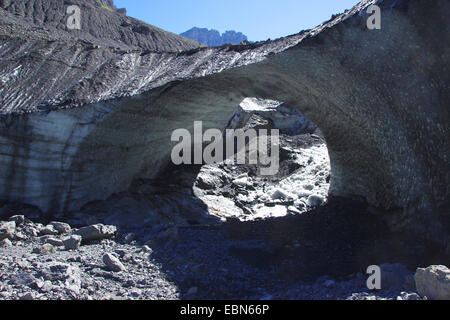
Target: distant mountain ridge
[[213, 38]]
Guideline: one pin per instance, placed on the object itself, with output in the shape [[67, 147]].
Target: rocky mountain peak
[[213, 38]]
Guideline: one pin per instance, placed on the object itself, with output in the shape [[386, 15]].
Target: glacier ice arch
[[81, 123]]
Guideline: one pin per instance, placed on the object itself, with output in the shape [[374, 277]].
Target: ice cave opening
[[232, 189]]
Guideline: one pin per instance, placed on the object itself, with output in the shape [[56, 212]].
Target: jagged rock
[[213, 38], [19, 219], [209, 180], [112, 263], [44, 286], [27, 231], [96, 232], [43, 239], [5, 243], [242, 182], [73, 242], [55, 242], [48, 231], [433, 282], [7, 230], [222, 207], [45, 249], [386, 135], [61, 227]]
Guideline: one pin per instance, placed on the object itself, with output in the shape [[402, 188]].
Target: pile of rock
[[57, 261], [51, 236]]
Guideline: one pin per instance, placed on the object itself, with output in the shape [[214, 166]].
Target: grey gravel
[[193, 267]]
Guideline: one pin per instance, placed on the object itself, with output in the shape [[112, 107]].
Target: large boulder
[[72, 243], [96, 232], [7, 230], [113, 263], [433, 282]]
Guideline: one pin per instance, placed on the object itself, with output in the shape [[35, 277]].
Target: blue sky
[[258, 19]]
